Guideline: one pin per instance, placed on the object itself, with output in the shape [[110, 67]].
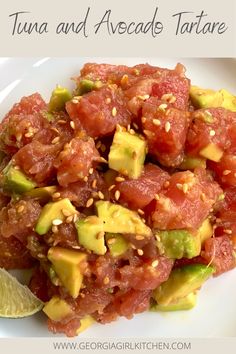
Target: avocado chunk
[[190, 163], [91, 234], [58, 99], [43, 194], [57, 309], [182, 281], [127, 154], [212, 152], [86, 86], [86, 322], [117, 244], [179, 243], [66, 264], [120, 220], [184, 303], [52, 211], [206, 98], [15, 181], [205, 231]]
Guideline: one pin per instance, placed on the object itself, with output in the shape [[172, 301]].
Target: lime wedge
[[16, 300]]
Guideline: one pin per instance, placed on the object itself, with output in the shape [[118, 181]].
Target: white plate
[[215, 313]]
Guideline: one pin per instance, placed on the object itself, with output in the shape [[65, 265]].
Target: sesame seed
[[135, 125], [103, 160], [106, 280], [119, 128], [56, 140], [143, 119], [156, 122], [132, 131], [140, 252], [148, 133], [108, 100], [167, 127], [114, 111], [56, 195], [120, 179], [55, 229], [124, 79], [140, 211], [91, 171], [117, 195], [139, 237], [16, 167], [69, 219], [111, 241], [116, 214], [98, 145], [203, 197], [212, 132], [156, 196], [228, 232], [55, 130], [61, 121], [57, 222], [94, 184], [166, 184], [143, 97], [29, 135], [72, 124], [21, 208], [100, 235], [85, 179], [75, 217], [168, 97], [18, 137], [143, 220], [111, 187], [132, 246], [163, 106], [89, 202], [75, 101], [226, 172], [66, 212], [155, 263], [185, 188], [218, 220], [100, 195], [128, 127]]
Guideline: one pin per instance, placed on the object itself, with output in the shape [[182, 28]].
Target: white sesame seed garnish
[[139, 237], [111, 187], [69, 219], [103, 160], [156, 122], [55, 229], [168, 97], [85, 179], [56, 195], [72, 124], [100, 235], [57, 222], [135, 125], [212, 132], [61, 121], [203, 197], [143, 119], [56, 140], [185, 188], [167, 127], [75, 101], [108, 100], [66, 212], [166, 184], [117, 195], [106, 280], [157, 197], [94, 184], [91, 171], [20, 209], [111, 241], [155, 263], [228, 232], [29, 135], [143, 97], [98, 145], [114, 111], [120, 179], [140, 252], [89, 202], [163, 106], [100, 195], [140, 211], [226, 172]]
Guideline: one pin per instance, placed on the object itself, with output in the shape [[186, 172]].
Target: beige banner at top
[[186, 28]]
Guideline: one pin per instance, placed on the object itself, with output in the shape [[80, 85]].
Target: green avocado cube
[[127, 154], [91, 234], [86, 86], [118, 219], [206, 98], [58, 99], [184, 303], [53, 211], [182, 282], [212, 152], [15, 181], [179, 243], [117, 244], [43, 194], [190, 163], [57, 309]]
